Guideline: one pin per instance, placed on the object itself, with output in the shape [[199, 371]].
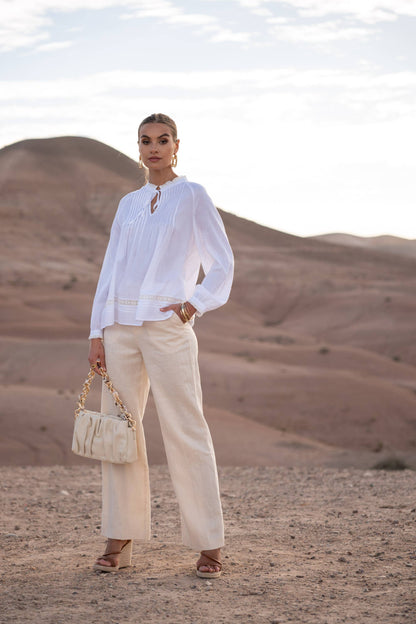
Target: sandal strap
[[109, 554], [218, 563], [115, 553]]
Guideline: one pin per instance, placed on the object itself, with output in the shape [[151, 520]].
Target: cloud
[[368, 11], [263, 12], [318, 33], [165, 11], [162, 9], [318, 22], [321, 96], [222, 35], [172, 14], [25, 23], [190, 19], [20, 28], [53, 45], [197, 82]]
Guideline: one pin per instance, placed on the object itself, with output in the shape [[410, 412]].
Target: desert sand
[[303, 545]]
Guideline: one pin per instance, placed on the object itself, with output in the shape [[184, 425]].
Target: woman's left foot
[[209, 564]]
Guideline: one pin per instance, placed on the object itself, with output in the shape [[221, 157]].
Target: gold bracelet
[[188, 312], [184, 313], [181, 315]]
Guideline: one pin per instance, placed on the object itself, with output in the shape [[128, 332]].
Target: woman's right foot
[[209, 564], [112, 555]]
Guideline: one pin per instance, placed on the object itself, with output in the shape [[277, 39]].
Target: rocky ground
[[304, 545]]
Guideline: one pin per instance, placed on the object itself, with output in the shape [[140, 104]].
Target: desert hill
[[313, 360], [389, 244]]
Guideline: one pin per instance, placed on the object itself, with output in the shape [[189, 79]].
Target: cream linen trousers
[[163, 355]]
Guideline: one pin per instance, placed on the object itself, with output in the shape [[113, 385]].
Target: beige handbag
[[107, 437]]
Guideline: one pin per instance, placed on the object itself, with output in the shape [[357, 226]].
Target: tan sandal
[[124, 561], [208, 565]]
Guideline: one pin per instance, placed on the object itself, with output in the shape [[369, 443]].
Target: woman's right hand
[[96, 355]]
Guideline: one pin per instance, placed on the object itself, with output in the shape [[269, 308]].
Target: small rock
[[64, 492]]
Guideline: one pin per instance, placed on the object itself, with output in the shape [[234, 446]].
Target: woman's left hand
[[176, 307]]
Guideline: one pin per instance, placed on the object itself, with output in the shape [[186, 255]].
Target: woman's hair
[[161, 118]]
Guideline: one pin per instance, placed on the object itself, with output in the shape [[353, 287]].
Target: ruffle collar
[[176, 180]]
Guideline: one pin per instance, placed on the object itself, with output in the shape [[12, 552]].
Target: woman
[[141, 333]]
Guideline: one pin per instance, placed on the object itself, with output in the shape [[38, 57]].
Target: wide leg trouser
[[163, 354]]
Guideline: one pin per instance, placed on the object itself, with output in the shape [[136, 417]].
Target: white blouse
[[153, 259]]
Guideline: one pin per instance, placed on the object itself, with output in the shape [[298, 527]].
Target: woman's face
[[156, 146]]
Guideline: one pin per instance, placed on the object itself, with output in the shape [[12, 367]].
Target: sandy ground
[[303, 545]]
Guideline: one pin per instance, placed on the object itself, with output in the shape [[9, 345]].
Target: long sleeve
[[215, 253], [104, 280]]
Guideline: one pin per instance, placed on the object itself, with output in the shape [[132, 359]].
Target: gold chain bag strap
[[107, 437]]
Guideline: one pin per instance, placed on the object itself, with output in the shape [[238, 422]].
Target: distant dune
[[313, 360], [389, 244]]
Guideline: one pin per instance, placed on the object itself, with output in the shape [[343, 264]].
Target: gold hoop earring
[[140, 162], [174, 161]]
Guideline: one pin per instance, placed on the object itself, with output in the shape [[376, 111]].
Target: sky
[[297, 114]]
